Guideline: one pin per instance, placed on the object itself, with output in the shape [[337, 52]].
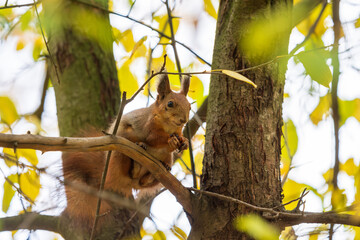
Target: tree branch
[[288, 218], [104, 143], [30, 221]]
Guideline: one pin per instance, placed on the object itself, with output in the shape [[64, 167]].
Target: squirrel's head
[[173, 108]]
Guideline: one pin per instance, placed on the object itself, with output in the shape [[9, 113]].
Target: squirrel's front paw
[[184, 144], [178, 142]]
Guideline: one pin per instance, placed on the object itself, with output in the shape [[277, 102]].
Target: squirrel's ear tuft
[[185, 84], [163, 88]]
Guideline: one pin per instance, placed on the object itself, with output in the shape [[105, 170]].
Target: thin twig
[[40, 109], [334, 96], [106, 167], [131, 7], [145, 25], [289, 154], [334, 88], [17, 189], [19, 5], [178, 65], [46, 44], [123, 103]]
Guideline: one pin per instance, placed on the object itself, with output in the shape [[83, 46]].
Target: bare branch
[[19, 5], [104, 143], [178, 65], [286, 218], [334, 88], [30, 221], [145, 25]]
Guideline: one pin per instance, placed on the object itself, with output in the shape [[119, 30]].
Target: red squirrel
[[157, 128]]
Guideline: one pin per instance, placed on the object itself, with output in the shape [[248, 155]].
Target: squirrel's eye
[[170, 104]]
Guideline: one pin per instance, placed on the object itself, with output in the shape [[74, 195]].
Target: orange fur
[[158, 128]]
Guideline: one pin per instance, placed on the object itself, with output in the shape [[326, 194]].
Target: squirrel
[[157, 129]]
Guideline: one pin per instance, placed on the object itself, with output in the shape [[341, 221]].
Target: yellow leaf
[[137, 45], [256, 227], [34, 120], [126, 38], [20, 44], [289, 144], [9, 192], [179, 233], [209, 8], [292, 190], [357, 23], [305, 25], [159, 235], [8, 113], [165, 27], [338, 199], [288, 234], [185, 162], [322, 110], [349, 167], [9, 153], [238, 76], [127, 80], [30, 184], [196, 90], [38, 46], [198, 159], [29, 154]]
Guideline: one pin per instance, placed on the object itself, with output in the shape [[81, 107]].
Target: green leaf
[[30, 184], [25, 19], [348, 109], [315, 66], [209, 8], [9, 192], [8, 113], [256, 227]]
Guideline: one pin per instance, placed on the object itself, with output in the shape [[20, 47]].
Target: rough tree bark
[[243, 132], [84, 76], [86, 84]]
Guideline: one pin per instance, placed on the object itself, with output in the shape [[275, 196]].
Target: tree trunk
[[243, 131], [86, 87], [85, 76]]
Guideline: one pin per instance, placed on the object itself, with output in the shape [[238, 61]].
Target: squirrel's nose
[[182, 120]]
